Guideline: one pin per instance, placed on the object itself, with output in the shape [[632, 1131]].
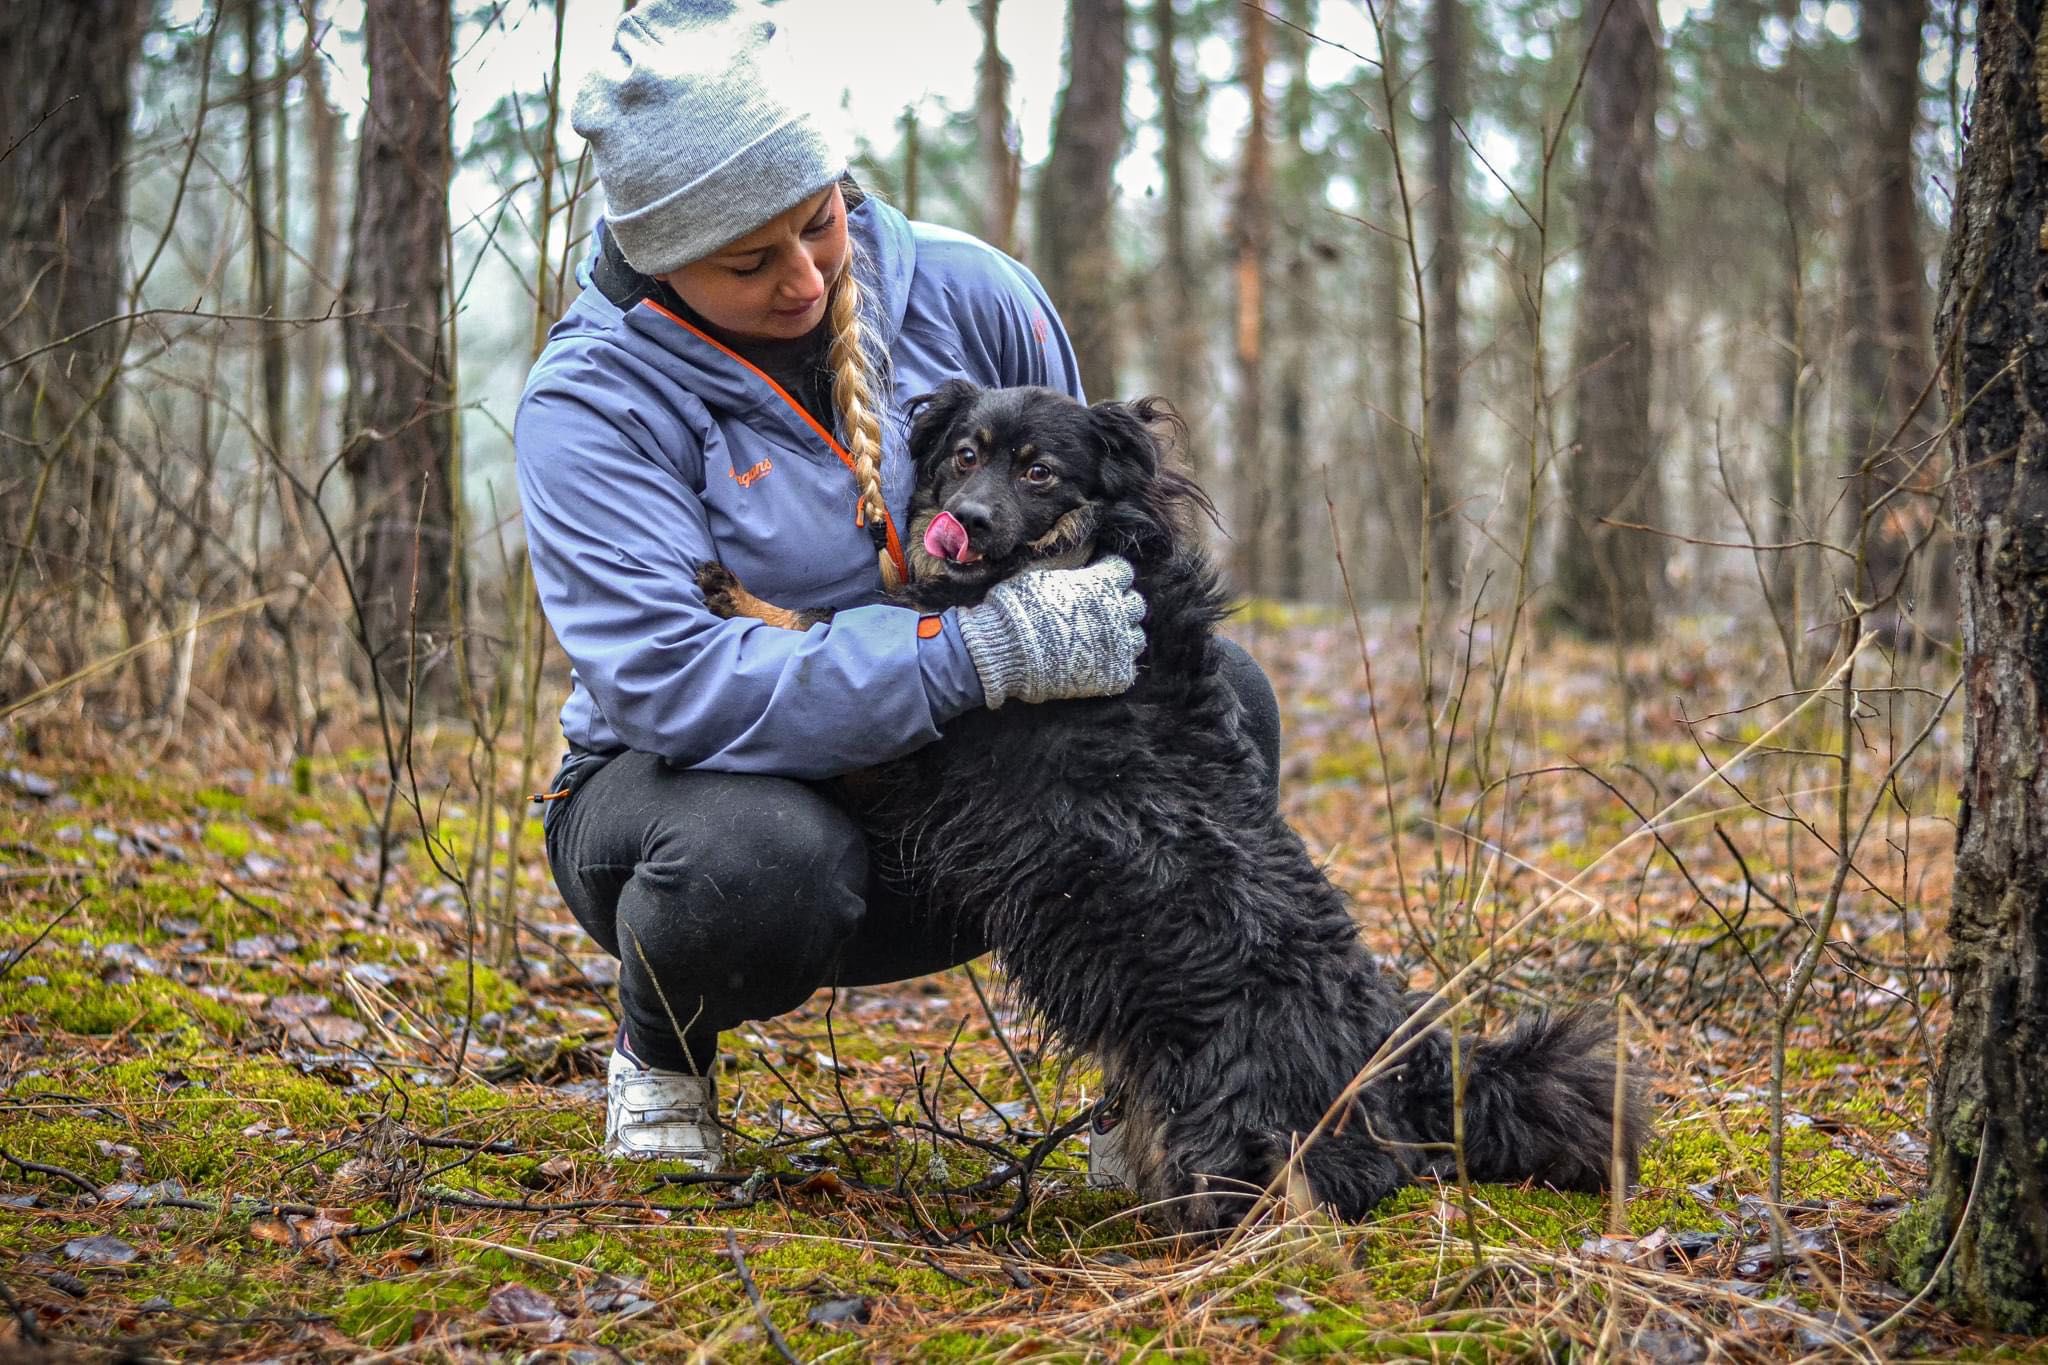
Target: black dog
[[1144, 899]]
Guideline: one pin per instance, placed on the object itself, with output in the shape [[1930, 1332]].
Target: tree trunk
[[1990, 1107], [1894, 480], [1252, 230], [1303, 193], [913, 147], [397, 429], [1001, 165], [323, 136], [64, 103], [1607, 578], [1076, 233], [1184, 340], [1446, 359]]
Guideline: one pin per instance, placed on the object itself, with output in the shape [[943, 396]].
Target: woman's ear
[[932, 416]]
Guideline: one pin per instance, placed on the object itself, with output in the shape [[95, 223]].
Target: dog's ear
[[932, 416], [1151, 503], [1130, 449]]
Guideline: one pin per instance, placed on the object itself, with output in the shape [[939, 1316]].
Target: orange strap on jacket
[[889, 522]]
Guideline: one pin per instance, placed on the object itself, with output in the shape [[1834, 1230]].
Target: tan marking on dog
[[744, 603]]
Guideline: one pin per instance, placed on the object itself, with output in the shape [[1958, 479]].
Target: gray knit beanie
[[701, 129]]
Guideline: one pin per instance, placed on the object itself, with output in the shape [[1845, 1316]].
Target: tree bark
[[323, 136], [397, 429], [1446, 360], [1076, 232], [1303, 191], [1990, 1106], [1001, 165], [1608, 578], [1185, 340], [1894, 479], [1252, 230], [64, 106]]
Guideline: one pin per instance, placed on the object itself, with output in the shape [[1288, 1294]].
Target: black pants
[[730, 896]]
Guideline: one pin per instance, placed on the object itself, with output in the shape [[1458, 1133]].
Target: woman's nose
[[805, 281]]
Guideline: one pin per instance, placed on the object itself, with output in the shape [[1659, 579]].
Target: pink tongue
[[946, 538]]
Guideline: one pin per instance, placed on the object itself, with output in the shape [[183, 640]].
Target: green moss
[[221, 801], [380, 1312], [232, 842], [74, 1001], [1693, 1153], [494, 993]]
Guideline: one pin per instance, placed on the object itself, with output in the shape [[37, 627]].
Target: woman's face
[[772, 283]]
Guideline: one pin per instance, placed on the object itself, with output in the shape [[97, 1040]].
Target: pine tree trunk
[[1001, 165], [1894, 489], [1446, 359], [1076, 235], [1608, 578], [397, 429], [323, 253], [64, 104], [1291, 452], [1990, 1105], [1252, 230], [1184, 339]]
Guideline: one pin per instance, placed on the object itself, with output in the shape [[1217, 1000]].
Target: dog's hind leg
[[1350, 1172]]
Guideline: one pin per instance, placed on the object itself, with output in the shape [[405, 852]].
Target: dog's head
[[1009, 479]]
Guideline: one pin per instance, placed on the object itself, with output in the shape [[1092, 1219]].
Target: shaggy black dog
[[1144, 898]]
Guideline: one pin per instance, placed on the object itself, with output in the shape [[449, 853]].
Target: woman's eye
[[754, 269], [966, 457], [1038, 473], [823, 225]]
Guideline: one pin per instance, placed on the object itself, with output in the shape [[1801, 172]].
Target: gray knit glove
[[1057, 633]]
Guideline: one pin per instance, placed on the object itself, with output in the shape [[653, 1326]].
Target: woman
[[730, 385]]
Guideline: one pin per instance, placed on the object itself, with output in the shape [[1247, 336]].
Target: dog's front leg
[[727, 597]]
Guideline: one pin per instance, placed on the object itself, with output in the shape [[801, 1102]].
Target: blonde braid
[[860, 419]]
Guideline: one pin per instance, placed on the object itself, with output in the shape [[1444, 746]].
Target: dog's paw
[[721, 589]]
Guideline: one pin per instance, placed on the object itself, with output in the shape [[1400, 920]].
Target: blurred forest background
[[1595, 316]]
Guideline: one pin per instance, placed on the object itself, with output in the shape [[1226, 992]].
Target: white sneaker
[[1109, 1166], [661, 1116]]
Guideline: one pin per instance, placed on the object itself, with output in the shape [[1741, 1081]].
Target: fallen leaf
[[31, 784], [288, 1007], [519, 1305], [100, 1250], [131, 1195], [615, 1294], [326, 1030], [320, 1235], [841, 1313]]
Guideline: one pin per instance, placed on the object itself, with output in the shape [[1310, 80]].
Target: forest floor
[[254, 1108]]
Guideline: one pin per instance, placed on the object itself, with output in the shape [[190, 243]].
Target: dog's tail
[[1551, 1100]]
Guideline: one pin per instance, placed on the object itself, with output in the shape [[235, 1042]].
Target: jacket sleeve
[[616, 534]]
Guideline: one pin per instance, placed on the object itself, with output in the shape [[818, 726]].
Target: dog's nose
[[974, 516]]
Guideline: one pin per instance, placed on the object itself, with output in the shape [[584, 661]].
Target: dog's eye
[[966, 457], [1038, 474]]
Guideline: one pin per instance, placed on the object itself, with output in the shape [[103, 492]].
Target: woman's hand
[[1057, 633]]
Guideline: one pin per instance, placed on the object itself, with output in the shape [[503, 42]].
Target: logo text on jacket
[[747, 478]]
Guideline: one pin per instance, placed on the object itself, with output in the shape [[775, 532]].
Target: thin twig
[[739, 1263]]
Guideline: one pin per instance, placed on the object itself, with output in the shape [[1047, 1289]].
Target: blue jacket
[[645, 448]]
